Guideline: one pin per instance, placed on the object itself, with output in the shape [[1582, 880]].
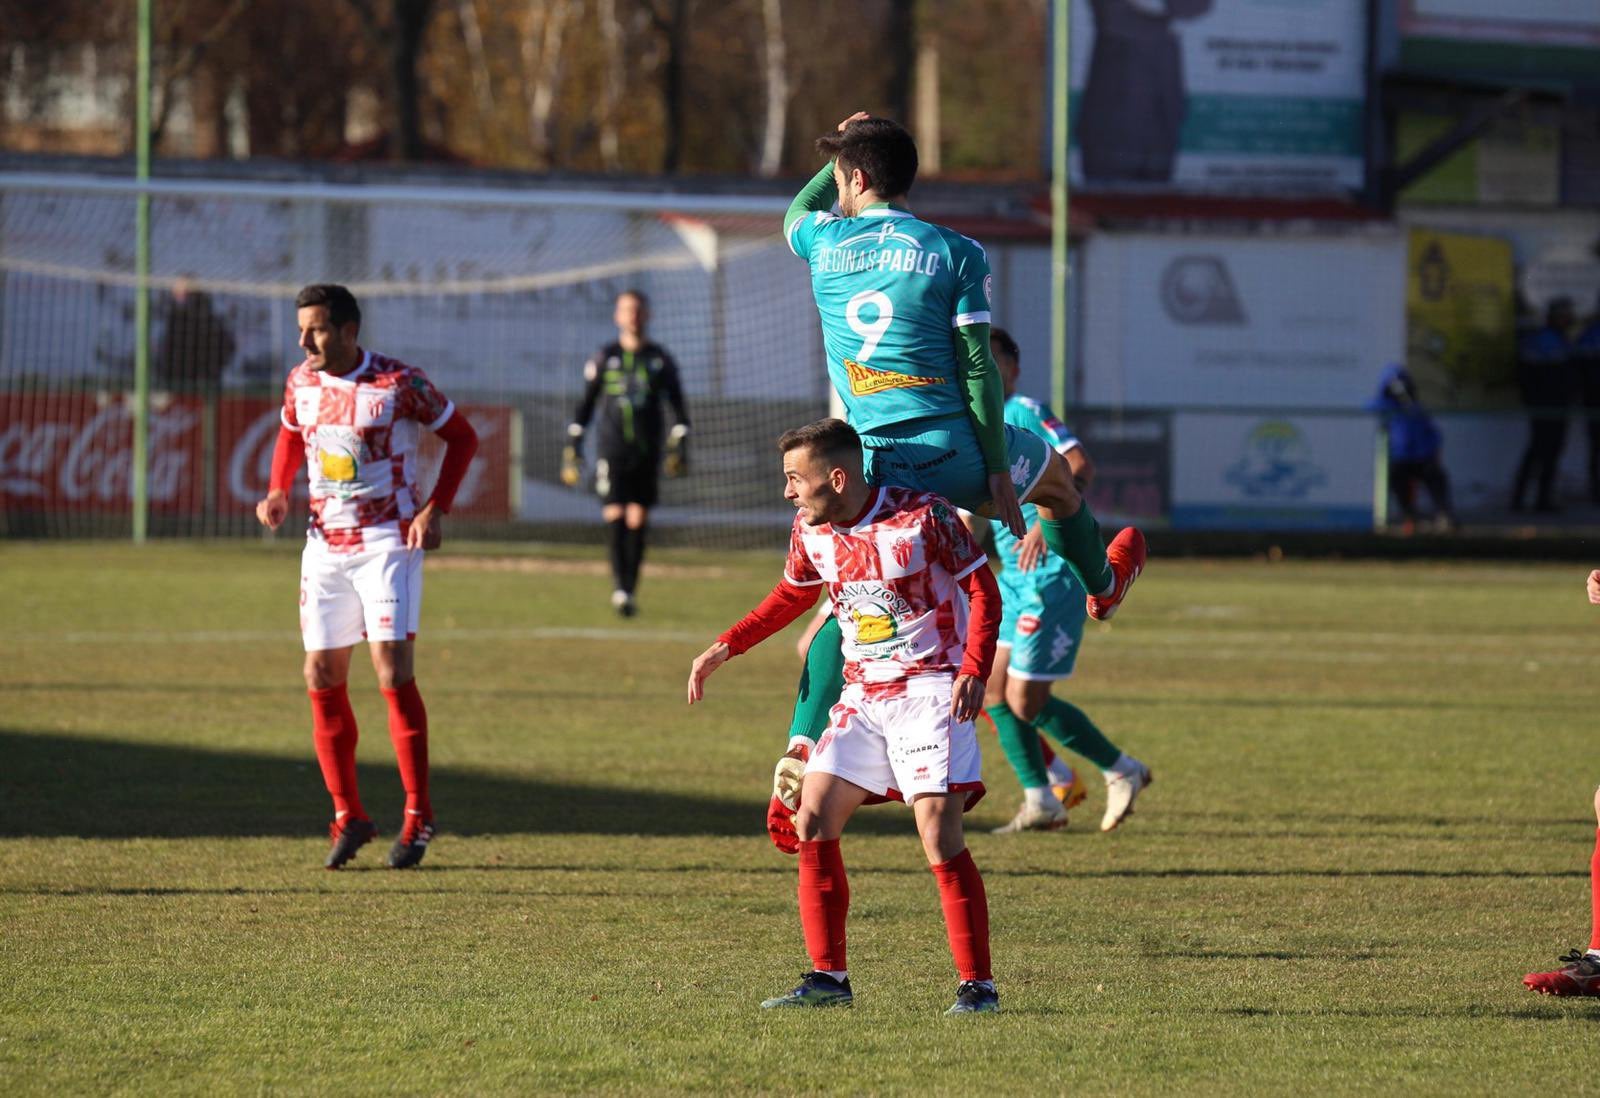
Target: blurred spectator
[[1586, 361], [1544, 370], [195, 344], [1414, 446]]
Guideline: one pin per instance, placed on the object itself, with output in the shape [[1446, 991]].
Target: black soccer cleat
[[348, 838], [411, 844]]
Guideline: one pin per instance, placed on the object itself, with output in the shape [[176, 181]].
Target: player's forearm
[[983, 622], [984, 393], [288, 454], [460, 444], [783, 606], [819, 194]]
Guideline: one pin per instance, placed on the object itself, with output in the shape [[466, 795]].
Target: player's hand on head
[[1003, 498], [1594, 586], [966, 698], [859, 116], [705, 663]]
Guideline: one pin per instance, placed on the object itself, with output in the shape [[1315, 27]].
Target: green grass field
[[1372, 815]]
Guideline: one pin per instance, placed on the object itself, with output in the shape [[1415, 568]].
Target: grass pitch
[[1371, 816]]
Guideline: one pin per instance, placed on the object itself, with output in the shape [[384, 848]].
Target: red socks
[[1594, 893], [966, 915], [408, 730], [333, 729], [824, 902]]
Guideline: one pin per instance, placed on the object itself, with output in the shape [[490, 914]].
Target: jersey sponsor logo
[[337, 465], [874, 610], [865, 381], [1028, 624]]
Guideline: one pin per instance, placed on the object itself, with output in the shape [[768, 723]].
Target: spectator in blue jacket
[[1414, 446]]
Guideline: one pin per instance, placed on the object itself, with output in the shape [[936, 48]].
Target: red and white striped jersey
[[361, 433], [893, 578]]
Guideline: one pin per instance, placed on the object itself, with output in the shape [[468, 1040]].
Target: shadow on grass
[[58, 786]]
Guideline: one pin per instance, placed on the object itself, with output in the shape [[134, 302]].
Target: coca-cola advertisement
[[75, 452]]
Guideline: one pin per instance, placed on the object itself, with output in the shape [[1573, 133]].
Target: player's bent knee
[[1055, 491]]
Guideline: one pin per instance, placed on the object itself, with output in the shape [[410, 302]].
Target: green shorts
[[941, 455], [1041, 623]]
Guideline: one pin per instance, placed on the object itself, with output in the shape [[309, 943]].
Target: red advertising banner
[[74, 452]]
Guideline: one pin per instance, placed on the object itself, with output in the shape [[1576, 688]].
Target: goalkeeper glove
[[780, 827], [677, 451], [786, 778], [571, 456]]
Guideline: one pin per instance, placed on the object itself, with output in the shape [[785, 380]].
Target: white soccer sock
[[1060, 771], [1040, 796], [1595, 953], [1126, 764], [841, 974]]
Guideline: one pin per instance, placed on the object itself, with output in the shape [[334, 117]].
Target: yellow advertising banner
[[1460, 329]]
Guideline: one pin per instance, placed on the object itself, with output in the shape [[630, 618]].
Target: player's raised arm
[[779, 609]]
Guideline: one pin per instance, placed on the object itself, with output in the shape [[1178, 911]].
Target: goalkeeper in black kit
[[627, 380]]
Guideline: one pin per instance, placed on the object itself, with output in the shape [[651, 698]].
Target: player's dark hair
[[1007, 344], [340, 302], [881, 148], [833, 440], [638, 295]]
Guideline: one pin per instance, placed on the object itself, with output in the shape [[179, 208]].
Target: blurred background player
[[1414, 449], [355, 418], [896, 562], [1579, 973], [1544, 372], [1040, 632], [904, 305], [627, 380]]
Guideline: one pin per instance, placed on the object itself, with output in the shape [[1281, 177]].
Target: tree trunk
[[410, 26], [541, 62], [900, 40], [612, 85], [775, 63]]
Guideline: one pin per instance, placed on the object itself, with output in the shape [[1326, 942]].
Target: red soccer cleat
[[1126, 554], [1580, 975]]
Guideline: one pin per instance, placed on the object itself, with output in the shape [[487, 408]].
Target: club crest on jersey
[[900, 553], [865, 381]]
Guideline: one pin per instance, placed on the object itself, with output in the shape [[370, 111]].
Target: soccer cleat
[[1579, 975], [973, 997], [1121, 791], [817, 989], [1070, 794], [412, 842], [1126, 554], [1035, 818], [348, 838]]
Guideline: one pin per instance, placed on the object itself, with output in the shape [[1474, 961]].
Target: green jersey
[[892, 290]]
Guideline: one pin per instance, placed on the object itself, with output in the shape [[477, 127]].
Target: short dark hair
[[833, 440], [340, 302], [638, 295], [881, 148], [1007, 344]]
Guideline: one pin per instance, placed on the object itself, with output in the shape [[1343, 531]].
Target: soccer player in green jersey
[[1041, 630], [905, 324]]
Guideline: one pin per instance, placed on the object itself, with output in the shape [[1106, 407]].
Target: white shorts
[[375, 594], [901, 747]]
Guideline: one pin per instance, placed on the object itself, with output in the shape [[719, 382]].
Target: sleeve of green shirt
[[984, 394], [819, 194]]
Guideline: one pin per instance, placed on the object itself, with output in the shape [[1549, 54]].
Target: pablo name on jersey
[[849, 261]]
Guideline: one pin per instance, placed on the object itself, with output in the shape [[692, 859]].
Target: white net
[[499, 296]]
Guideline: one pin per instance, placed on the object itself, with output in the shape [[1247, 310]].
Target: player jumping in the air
[[1579, 973], [905, 325], [356, 416], [896, 562], [1039, 638]]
